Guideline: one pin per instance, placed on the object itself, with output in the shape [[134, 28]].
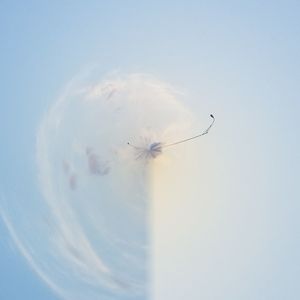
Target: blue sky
[[237, 59]]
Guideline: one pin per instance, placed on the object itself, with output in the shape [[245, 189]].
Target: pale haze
[[222, 219]]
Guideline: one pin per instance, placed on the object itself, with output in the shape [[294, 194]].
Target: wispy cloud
[[96, 242]]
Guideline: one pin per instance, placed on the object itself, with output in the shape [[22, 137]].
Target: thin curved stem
[[194, 137]]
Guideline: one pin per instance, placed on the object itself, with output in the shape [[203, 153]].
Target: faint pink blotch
[[95, 165], [73, 181]]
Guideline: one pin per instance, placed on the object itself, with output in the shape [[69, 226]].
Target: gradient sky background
[[237, 59]]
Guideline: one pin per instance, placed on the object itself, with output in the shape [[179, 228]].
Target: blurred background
[[239, 236]]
